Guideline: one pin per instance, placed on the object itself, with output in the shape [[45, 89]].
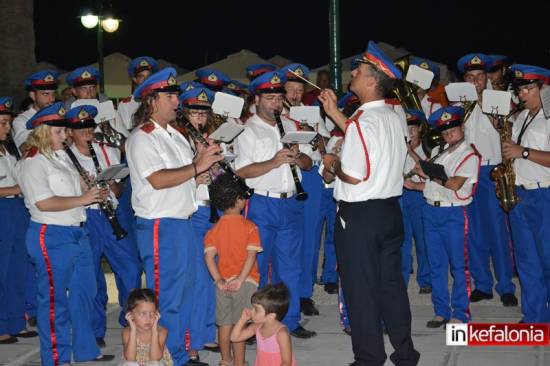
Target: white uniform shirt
[[429, 106], [383, 135], [202, 189], [20, 132], [480, 131], [398, 108], [112, 158], [124, 121], [331, 149], [461, 162], [259, 142], [150, 152], [40, 178], [410, 163], [536, 136], [7, 170]]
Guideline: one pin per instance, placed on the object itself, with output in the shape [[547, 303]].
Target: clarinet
[[196, 135], [106, 205], [301, 195]]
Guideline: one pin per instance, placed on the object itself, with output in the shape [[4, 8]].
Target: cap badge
[[475, 61], [299, 71], [203, 97], [86, 75], [212, 78], [231, 86], [171, 80], [446, 116], [48, 78], [275, 79], [143, 63], [424, 65], [518, 74], [61, 111], [83, 114]]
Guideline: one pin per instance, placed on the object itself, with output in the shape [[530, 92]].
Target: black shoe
[[307, 307], [477, 295], [301, 332], [32, 322], [100, 342], [104, 358], [331, 288], [425, 290], [347, 331], [215, 348], [195, 363], [26, 334], [10, 340], [436, 323], [251, 341], [509, 300]]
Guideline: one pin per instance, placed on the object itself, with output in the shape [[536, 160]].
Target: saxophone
[[503, 174]]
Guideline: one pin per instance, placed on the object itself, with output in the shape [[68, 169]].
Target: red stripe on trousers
[[156, 257], [466, 269], [53, 337]]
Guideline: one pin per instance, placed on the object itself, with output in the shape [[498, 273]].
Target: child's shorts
[[230, 305]]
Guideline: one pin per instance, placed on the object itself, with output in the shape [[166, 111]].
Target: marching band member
[[163, 170], [213, 79], [412, 203], [139, 69], [530, 150], [13, 255], [58, 242], [369, 227], [252, 72], [83, 82], [196, 105], [428, 104], [266, 167], [122, 254], [496, 71], [41, 86], [489, 236], [445, 218]]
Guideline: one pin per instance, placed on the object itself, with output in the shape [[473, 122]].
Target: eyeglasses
[[525, 88], [198, 113]]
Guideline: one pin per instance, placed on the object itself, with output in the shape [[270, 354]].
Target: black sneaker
[[331, 288], [104, 358], [26, 334], [303, 333], [425, 290], [436, 323], [509, 300], [478, 295], [9, 340], [307, 307], [100, 342]]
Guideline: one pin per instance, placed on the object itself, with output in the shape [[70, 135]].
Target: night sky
[[192, 34]]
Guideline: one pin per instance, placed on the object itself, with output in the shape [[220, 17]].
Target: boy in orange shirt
[[236, 241]]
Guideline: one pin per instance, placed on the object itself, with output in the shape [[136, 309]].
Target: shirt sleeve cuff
[[254, 247], [352, 173]]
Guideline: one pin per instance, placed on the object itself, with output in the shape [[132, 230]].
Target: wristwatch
[[525, 153]]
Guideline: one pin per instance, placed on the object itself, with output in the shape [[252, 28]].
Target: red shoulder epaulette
[[147, 127], [126, 100], [31, 152], [392, 101]]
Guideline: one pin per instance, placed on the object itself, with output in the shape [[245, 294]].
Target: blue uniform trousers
[[280, 222], [203, 323], [489, 239], [13, 265], [30, 290], [123, 258], [313, 185], [328, 213], [167, 250], [530, 220], [445, 229], [66, 290], [412, 204]]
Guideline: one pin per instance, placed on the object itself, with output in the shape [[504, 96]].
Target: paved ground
[[333, 348]]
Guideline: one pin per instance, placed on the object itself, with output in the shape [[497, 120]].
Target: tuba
[[108, 135]]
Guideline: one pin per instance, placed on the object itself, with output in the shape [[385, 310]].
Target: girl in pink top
[[269, 306]]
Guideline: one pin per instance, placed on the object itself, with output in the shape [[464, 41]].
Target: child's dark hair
[[138, 295], [274, 299], [224, 192]]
